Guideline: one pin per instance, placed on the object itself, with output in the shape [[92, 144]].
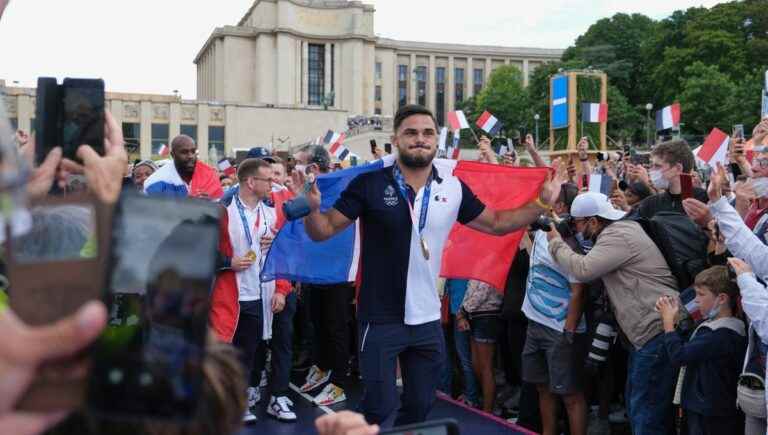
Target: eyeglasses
[[763, 163]]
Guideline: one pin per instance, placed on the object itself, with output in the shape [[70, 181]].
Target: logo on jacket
[[440, 198], [390, 196]]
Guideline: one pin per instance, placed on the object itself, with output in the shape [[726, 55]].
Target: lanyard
[[422, 222], [246, 228]]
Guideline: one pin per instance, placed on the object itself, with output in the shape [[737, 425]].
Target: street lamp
[[648, 108], [536, 118]]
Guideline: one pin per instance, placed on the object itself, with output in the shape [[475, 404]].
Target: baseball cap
[[590, 204], [257, 153]]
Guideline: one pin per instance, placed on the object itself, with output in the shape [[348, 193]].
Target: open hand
[[698, 211], [739, 266]]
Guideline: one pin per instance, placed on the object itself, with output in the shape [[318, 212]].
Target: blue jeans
[[464, 351], [650, 389]]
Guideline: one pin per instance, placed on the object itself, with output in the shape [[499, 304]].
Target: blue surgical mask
[[713, 312], [585, 244]]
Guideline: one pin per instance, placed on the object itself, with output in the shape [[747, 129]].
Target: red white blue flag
[[668, 117], [489, 123]]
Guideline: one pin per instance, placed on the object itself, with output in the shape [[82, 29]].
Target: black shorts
[[484, 328], [549, 359]]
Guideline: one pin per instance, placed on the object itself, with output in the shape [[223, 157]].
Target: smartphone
[[600, 157], [69, 115], [373, 146], [738, 131], [54, 268], [388, 148], [148, 362], [686, 186], [447, 426], [735, 170]]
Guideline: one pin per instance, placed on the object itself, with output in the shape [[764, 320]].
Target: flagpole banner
[[559, 102], [668, 117]]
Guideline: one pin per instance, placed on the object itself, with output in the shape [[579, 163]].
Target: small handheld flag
[[594, 112], [164, 151], [488, 123], [601, 183], [335, 141], [226, 168], [668, 117], [715, 148], [457, 120]]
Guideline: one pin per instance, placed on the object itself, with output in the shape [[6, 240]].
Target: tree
[[707, 99], [505, 98]]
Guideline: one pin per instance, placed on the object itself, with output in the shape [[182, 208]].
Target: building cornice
[[469, 50], [312, 4]]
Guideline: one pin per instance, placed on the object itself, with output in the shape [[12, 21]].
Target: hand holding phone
[[388, 148], [373, 146]]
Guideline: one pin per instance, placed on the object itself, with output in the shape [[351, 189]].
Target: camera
[[563, 225]]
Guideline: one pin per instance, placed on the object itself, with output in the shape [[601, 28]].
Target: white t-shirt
[[548, 290]]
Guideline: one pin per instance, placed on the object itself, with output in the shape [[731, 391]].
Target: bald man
[[186, 176]]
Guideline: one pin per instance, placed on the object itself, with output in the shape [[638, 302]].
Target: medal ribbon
[[422, 222], [246, 229]]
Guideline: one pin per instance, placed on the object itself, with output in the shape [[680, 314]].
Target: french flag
[[457, 120], [226, 168], [443, 142], [601, 183], [488, 123], [468, 253], [594, 112], [715, 148], [164, 151], [668, 117], [335, 140]]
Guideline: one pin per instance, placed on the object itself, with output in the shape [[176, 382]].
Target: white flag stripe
[[559, 101]]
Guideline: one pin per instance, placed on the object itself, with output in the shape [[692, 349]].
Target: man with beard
[[406, 212], [186, 175]]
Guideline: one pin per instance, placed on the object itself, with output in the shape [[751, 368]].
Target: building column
[[525, 72], [230, 128], [488, 70], [203, 118], [506, 61], [145, 141], [431, 84], [326, 71], [116, 109], [24, 113], [469, 75], [412, 80], [304, 73], [174, 121], [450, 86]]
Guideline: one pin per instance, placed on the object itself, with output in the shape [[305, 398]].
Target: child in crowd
[[711, 359]]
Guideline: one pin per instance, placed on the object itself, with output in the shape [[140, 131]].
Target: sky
[[148, 46]]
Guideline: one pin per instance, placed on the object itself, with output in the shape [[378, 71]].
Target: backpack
[[682, 243]]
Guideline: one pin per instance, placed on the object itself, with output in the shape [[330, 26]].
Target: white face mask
[[761, 186], [658, 180]]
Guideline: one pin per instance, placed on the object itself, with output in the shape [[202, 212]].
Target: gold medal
[[250, 255], [424, 249]]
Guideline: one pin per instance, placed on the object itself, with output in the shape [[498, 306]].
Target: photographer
[[635, 275], [556, 343]]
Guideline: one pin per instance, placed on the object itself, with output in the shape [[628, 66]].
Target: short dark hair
[[675, 151], [717, 280], [410, 110], [249, 168], [568, 193]]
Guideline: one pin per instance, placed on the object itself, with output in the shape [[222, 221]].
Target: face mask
[[761, 186], [713, 312], [658, 180], [585, 244]]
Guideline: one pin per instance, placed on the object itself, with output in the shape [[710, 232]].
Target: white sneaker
[[280, 408], [254, 397], [315, 378], [263, 382], [248, 417], [330, 395]]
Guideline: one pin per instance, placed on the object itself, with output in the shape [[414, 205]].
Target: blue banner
[[559, 102]]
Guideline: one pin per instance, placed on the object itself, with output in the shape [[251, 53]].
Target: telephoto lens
[[542, 223], [604, 335]]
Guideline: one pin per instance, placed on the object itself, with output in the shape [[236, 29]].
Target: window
[[378, 70], [32, 125], [479, 80], [159, 137], [402, 85], [378, 92], [421, 85], [440, 95], [459, 74], [14, 124], [189, 130], [316, 74], [377, 111], [132, 136], [216, 149]]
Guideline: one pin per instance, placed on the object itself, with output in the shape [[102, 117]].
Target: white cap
[[590, 204]]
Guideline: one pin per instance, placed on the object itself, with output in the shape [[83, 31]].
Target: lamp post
[[648, 108], [536, 118]]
